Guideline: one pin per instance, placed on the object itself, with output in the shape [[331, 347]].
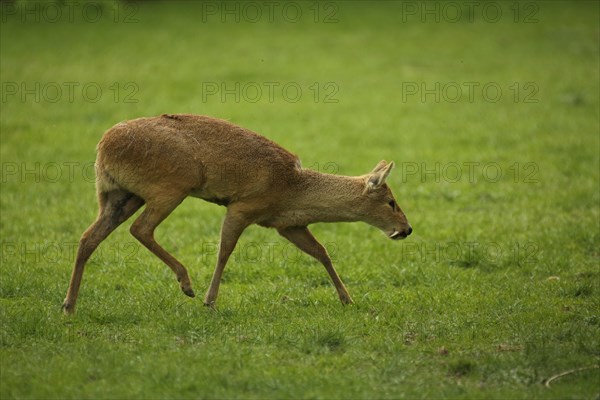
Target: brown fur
[[159, 161]]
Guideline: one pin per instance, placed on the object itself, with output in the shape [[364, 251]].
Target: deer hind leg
[[143, 230], [116, 206], [305, 241]]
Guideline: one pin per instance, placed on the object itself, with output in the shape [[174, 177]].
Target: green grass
[[496, 290]]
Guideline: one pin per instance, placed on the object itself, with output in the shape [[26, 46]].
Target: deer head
[[379, 205]]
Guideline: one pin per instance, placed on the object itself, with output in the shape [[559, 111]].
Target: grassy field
[[491, 113]]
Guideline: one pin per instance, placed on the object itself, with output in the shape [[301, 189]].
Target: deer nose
[[409, 230]]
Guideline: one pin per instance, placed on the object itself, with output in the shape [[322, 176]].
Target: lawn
[[490, 112]]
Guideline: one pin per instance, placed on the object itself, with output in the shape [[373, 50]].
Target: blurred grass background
[[495, 291]]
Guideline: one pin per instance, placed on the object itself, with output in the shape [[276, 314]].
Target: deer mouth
[[396, 235]]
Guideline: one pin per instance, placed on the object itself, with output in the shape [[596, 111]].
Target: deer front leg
[[233, 226], [305, 241]]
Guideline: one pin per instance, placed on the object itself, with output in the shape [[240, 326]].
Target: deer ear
[[377, 177], [379, 166]]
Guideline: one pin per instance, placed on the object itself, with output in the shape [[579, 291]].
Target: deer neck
[[328, 198]]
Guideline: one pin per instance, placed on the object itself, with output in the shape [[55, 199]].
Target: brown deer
[[159, 161]]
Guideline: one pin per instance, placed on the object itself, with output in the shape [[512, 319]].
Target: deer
[[159, 161]]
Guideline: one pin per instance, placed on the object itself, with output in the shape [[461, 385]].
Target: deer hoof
[[68, 309], [209, 303], [189, 292]]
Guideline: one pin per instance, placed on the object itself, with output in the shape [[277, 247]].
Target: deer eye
[[392, 204]]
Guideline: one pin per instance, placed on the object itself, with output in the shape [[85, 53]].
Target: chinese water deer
[[159, 161]]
